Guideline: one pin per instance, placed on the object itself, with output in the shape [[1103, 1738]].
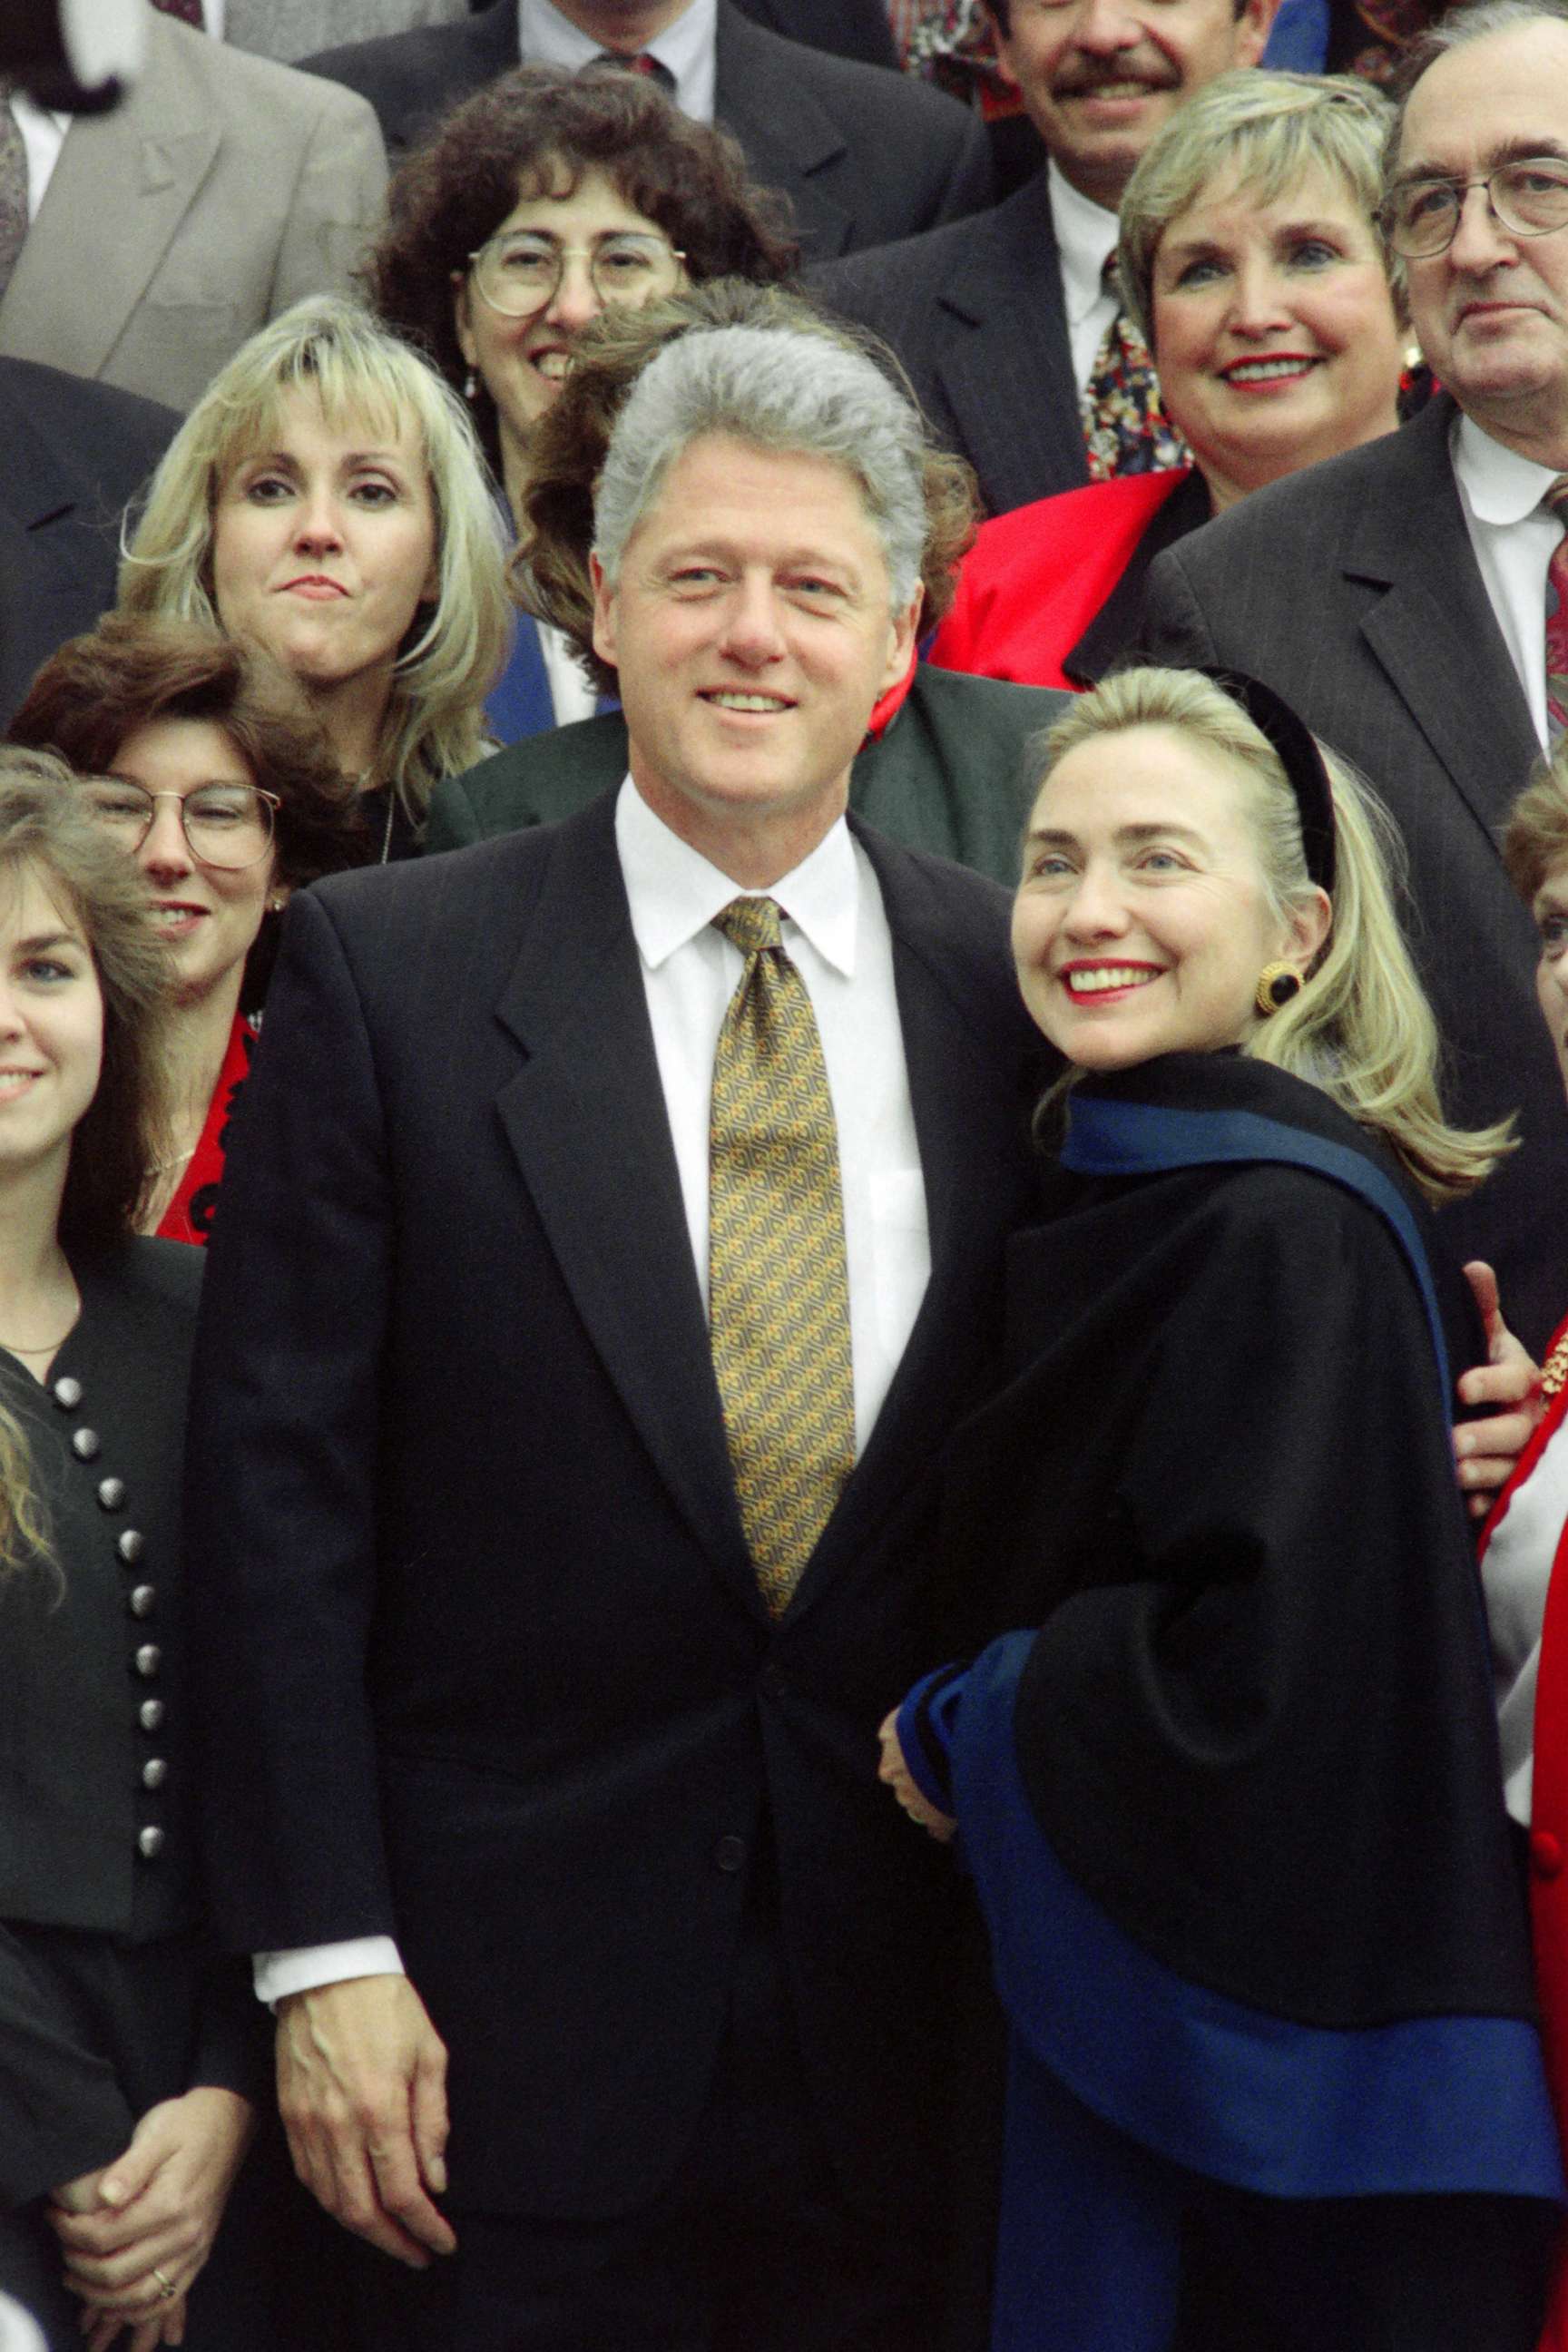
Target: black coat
[[489, 1666], [74, 453], [864, 155], [1353, 591]]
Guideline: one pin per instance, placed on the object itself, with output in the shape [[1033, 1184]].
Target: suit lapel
[[787, 136], [123, 185], [1006, 362], [586, 1118], [1442, 652]]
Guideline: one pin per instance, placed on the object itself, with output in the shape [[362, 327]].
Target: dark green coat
[[949, 777]]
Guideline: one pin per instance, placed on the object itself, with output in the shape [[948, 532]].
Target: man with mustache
[[1013, 339]]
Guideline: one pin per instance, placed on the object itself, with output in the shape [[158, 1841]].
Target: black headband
[[1298, 755]]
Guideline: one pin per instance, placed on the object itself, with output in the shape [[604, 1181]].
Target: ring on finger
[[167, 2290]]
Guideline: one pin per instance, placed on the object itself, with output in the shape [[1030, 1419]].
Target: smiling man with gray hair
[[614, 1236]]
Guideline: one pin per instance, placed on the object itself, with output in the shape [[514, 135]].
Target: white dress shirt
[[835, 932], [1515, 1574], [1086, 233], [43, 135], [1515, 539], [546, 37]]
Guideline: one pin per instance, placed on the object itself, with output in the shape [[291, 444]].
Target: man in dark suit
[[560, 1499], [864, 155], [1398, 595], [75, 453], [999, 321]]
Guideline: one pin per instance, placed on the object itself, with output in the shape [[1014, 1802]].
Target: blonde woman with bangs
[[326, 500], [1230, 1799]]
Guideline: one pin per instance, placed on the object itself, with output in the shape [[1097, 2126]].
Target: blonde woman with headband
[[1230, 1799], [326, 500], [127, 2054]]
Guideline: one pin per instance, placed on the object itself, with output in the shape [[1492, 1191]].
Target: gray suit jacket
[[1352, 589], [975, 312], [864, 155], [224, 189], [288, 29]]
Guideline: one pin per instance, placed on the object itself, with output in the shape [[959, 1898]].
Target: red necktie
[[1556, 502], [654, 68]]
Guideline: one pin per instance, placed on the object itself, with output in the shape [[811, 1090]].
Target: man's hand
[[895, 1774], [1486, 1450], [136, 2233], [362, 2087]]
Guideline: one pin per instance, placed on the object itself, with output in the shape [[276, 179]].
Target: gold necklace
[[47, 1347]]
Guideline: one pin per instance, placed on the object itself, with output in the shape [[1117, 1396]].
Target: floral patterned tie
[[778, 1276], [1556, 502], [1125, 429], [12, 187]]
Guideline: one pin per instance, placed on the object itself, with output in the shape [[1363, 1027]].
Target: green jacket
[[949, 776]]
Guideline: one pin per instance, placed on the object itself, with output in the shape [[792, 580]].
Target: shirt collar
[[1499, 486], [674, 893], [1086, 233], [546, 37]]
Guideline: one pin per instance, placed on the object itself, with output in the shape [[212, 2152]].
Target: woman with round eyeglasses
[[540, 200], [170, 727]]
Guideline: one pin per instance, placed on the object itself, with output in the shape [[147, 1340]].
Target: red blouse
[[189, 1215]]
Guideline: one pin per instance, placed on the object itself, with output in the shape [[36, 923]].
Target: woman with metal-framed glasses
[[535, 204], [172, 728]]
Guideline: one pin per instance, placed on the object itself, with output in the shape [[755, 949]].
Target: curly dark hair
[[535, 132], [133, 671], [549, 570]]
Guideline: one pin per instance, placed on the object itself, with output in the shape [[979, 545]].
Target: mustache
[[1080, 74]]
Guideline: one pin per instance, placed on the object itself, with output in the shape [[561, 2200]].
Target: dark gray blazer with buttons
[[1353, 591], [488, 1666]]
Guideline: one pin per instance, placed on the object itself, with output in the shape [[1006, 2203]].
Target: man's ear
[[604, 613]]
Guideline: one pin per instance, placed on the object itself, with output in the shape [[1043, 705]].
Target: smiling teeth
[[173, 914], [1264, 370], [553, 365], [1111, 975], [747, 701]]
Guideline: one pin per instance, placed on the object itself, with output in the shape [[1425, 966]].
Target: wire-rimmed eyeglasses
[[1529, 197], [225, 825], [520, 271]]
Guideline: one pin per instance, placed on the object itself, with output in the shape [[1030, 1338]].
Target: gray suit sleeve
[[451, 824], [339, 201]]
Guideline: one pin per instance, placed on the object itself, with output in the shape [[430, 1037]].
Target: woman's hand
[[136, 2233], [1486, 1450], [897, 1775]]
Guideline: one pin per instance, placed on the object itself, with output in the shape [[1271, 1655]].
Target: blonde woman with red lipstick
[[201, 760], [1253, 263], [1224, 1761]]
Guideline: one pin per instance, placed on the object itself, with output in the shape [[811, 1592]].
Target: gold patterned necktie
[[1125, 428], [778, 1280], [12, 187]]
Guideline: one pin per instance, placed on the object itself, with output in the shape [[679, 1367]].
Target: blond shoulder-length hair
[[333, 349], [1360, 1027]]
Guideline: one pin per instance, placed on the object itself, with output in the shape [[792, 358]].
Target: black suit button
[[86, 1445], [149, 1843], [149, 1658], [130, 1547], [149, 1714], [67, 1394], [143, 1597], [155, 1772], [730, 1854], [111, 1494]]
